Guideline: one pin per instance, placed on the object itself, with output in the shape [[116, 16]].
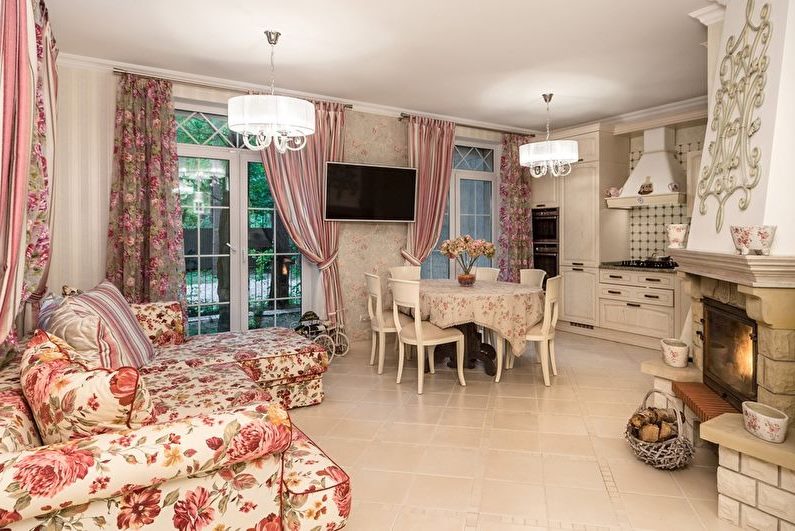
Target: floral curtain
[[516, 237], [17, 66], [40, 183], [145, 242], [431, 152], [296, 181]]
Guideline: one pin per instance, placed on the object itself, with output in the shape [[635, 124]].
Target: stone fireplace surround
[[756, 479]]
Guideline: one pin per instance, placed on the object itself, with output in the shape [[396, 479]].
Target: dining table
[[509, 309]]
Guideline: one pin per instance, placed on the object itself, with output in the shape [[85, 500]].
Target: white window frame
[[238, 231], [454, 197]]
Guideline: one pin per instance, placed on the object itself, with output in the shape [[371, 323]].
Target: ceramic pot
[[756, 238], [466, 279], [765, 422], [674, 352], [677, 234]]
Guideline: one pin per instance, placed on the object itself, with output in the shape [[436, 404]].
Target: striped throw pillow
[[120, 340]]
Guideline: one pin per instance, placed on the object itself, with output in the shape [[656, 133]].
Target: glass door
[[475, 208]]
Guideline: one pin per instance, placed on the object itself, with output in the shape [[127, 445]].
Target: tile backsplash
[[647, 229]]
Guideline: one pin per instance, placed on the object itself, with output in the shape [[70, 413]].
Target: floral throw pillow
[[162, 322], [69, 400]]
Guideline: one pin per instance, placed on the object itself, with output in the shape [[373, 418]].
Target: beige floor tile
[[644, 513], [402, 432], [457, 436], [455, 462], [417, 414], [379, 486], [636, 477], [519, 467], [611, 447], [386, 396], [580, 506], [465, 401], [327, 408], [706, 456], [707, 511], [621, 396], [557, 392], [698, 481], [367, 516], [416, 519], [428, 399], [513, 403], [524, 441], [396, 457], [552, 443], [345, 452], [488, 522], [437, 492], [606, 426], [559, 407], [315, 426], [467, 418], [515, 420], [609, 409], [565, 471], [356, 429], [561, 424], [508, 388], [474, 387], [374, 412], [514, 500]]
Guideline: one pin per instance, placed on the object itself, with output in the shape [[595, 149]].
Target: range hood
[[658, 178]]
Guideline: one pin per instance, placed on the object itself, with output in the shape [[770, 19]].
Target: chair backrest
[[486, 273], [532, 277], [551, 305], [375, 304], [405, 272], [406, 294]]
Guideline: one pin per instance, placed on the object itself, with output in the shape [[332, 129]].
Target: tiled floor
[[508, 456]]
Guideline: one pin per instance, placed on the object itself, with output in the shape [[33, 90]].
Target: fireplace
[[729, 352]]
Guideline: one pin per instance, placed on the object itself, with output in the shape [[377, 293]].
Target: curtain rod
[[195, 83], [405, 115]]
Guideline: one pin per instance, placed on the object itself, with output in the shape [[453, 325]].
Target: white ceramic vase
[[674, 352], [753, 239], [765, 422], [677, 234]]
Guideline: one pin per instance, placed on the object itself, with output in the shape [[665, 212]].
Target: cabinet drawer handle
[[615, 276], [613, 292], [633, 305], [541, 205], [654, 280], [577, 269], [578, 263], [651, 296]]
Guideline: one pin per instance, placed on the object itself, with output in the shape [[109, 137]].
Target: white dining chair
[[532, 277], [382, 322], [486, 273], [405, 272], [543, 333], [422, 334]]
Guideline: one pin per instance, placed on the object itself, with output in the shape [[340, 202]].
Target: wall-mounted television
[[365, 192]]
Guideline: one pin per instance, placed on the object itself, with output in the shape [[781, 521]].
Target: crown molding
[[690, 110], [94, 63], [710, 14]]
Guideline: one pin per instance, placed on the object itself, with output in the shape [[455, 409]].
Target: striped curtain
[[296, 182], [431, 152]]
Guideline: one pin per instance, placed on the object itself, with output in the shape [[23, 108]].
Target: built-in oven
[[545, 225], [545, 256]]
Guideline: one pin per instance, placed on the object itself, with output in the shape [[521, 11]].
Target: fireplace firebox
[[729, 352]]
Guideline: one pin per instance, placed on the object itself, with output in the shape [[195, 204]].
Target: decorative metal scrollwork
[[735, 163]]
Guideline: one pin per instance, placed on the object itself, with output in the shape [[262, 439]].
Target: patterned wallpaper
[[647, 224], [370, 247]]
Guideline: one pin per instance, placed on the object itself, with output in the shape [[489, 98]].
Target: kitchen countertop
[[614, 265]]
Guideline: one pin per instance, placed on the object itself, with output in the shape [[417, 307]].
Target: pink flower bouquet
[[466, 250]]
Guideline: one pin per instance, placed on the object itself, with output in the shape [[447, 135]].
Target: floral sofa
[[211, 445]]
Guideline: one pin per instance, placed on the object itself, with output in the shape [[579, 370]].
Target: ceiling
[[475, 60]]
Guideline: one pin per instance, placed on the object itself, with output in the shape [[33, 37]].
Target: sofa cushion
[[99, 322], [316, 492], [179, 391], [71, 400], [17, 427], [162, 322], [267, 354]]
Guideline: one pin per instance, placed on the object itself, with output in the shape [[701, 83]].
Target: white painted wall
[[83, 157], [773, 198]]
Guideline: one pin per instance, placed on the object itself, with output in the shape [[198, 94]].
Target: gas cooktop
[[660, 263]]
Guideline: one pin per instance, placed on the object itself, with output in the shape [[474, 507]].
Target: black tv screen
[[358, 192]]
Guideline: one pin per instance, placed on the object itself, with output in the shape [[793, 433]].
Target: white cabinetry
[[580, 286], [638, 302], [579, 219], [545, 192]]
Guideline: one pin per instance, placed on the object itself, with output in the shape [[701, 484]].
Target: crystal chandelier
[[549, 156], [265, 118]]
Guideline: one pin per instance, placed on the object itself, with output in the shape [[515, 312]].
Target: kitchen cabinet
[[544, 192], [579, 219], [637, 318], [639, 302], [579, 301]]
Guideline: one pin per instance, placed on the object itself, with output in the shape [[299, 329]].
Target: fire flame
[[744, 353]]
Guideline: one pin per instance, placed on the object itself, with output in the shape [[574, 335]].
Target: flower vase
[[466, 279]]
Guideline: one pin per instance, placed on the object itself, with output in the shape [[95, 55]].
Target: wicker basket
[[666, 455]]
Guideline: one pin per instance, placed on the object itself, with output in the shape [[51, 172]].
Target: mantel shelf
[[749, 270]]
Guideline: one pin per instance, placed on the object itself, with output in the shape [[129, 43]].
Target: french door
[[242, 269]]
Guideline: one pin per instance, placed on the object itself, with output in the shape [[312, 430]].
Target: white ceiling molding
[[710, 14], [209, 82], [690, 110]]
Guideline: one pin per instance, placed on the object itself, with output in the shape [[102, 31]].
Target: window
[[472, 201], [242, 269]]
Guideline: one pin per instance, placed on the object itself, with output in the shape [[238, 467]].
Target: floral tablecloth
[[507, 308]]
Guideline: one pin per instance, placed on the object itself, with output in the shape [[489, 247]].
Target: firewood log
[[666, 415], [667, 430], [650, 433]]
